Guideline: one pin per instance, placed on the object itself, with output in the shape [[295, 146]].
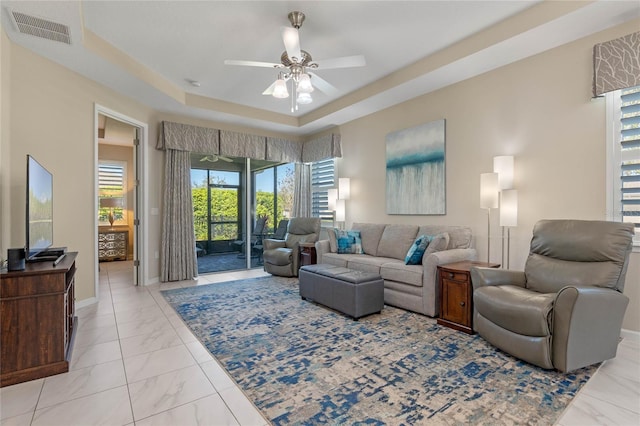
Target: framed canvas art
[[416, 170]]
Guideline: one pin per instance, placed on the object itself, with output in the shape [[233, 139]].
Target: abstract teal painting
[[416, 170]]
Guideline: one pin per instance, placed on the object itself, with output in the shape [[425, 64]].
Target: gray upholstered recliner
[[565, 310], [281, 257]]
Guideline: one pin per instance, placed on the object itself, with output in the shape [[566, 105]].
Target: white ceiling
[[411, 48]]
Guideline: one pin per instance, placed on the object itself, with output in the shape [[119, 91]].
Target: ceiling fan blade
[[291, 42], [269, 90], [323, 85], [252, 63], [343, 62]]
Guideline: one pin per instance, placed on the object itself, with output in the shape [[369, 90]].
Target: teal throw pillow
[[348, 242], [416, 251]]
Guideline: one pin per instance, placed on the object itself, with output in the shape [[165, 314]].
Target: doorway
[[120, 187], [237, 202]]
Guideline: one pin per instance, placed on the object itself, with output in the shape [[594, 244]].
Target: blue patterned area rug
[[301, 363]]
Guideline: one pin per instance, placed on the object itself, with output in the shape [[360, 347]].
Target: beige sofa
[[411, 287]]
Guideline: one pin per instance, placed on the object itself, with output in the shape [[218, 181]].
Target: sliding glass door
[[236, 204]]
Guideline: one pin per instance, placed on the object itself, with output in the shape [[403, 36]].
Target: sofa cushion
[[396, 240], [459, 236], [416, 251], [370, 234], [398, 271], [366, 263], [335, 259], [438, 242], [348, 242], [516, 309]]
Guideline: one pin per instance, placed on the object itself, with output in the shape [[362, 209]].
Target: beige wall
[[540, 111], [124, 154], [5, 125], [52, 118]]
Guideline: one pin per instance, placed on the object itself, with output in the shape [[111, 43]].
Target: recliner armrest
[[586, 326], [270, 244], [481, 277]]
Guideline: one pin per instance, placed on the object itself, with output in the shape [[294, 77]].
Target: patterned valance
[[328, 146], [616, 64], [184, 137], [283, 150], [235, 144]]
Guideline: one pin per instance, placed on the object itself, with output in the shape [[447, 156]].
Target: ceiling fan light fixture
[[280, 89], [304, 98], [304, 84]]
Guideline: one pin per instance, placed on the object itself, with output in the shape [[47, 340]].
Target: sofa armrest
[[481, 277], [586, 326], [270, 244], [322, 247]]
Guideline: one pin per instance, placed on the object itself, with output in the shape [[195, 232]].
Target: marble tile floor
[[135, 362]]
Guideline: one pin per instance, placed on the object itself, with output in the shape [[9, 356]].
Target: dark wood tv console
[[37, 319]]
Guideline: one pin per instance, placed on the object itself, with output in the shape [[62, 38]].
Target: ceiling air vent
[[42, 28]]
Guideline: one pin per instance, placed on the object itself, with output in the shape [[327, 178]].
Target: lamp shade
[[280, 90], [110, 202], [332, 196], [489, 190], [503, 166], [509, 207], [344, 188], [340, 211], [304, 84]]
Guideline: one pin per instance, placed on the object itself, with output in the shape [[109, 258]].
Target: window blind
[[111, 178], [630, 156], [322, 178]]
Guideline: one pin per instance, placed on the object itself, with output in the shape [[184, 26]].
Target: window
[[323, 177], [112, 184], [623, 155]]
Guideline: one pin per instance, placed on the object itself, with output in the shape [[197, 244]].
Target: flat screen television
[[39, 209]]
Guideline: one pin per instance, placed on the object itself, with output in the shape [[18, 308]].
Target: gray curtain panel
[[178, 250], [302, 195], [616, 64]]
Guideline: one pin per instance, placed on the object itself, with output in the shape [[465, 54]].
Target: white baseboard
[[86, 302], [630, 334], [153, 280]]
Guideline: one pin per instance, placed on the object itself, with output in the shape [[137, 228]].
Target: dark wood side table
[[456, 294], [308, 254]]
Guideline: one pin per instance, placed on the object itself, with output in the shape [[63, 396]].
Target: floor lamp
[[489, 200], [508, 215]]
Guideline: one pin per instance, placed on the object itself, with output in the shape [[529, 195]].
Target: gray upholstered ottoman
[[351, 292]]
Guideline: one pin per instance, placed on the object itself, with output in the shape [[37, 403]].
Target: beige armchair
[[281, 257], [565, 310]]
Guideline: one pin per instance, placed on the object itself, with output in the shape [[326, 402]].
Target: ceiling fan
[[295, 65], [214, 157]]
